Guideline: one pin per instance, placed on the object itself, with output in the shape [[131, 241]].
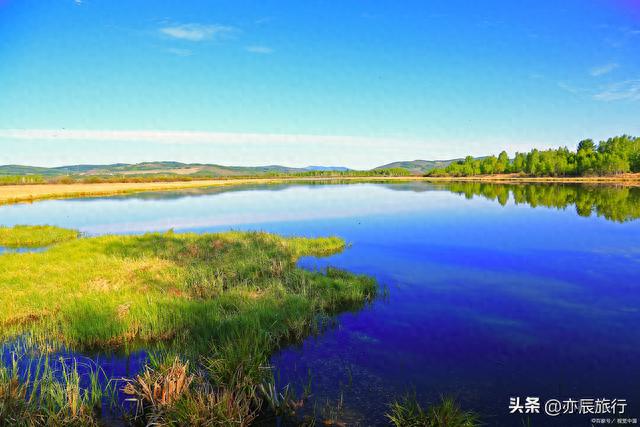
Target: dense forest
[[617, 155]]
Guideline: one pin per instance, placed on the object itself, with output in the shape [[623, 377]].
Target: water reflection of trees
[[618, 204]]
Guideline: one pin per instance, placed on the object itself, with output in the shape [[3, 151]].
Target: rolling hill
[[419, 166], [158, 168]]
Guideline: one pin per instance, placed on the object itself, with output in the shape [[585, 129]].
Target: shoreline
[[630, 179], [13, 194]]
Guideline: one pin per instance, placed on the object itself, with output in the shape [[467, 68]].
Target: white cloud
[[263, 20], [187, 137], [571, 89], [603, 69], [626, 90], [198, 32], [180, 52], [259, 49]]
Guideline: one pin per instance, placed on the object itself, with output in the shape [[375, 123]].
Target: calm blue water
[[485, 301], [5, 250]]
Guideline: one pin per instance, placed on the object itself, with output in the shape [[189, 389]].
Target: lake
[[491, 291]]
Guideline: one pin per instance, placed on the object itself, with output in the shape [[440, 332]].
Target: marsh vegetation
[[224, 302], [34, 236], [408, 412]]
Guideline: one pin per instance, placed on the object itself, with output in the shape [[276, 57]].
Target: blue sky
[[355, 83]]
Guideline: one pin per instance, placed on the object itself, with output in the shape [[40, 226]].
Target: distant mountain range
[[419, 166], [159, 168], [200, 169]]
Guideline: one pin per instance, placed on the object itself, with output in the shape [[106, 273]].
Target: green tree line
[[620, 154]]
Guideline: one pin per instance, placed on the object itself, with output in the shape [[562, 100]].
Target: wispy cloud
[[618, 37], [199, 32], [625, 90], [180, 52], [569, 88], [264, 50], [620, 91], [187, 137], [631, 32], [263, 20], [603, 69]]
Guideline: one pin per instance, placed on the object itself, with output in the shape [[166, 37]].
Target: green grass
[[407, 412], [223, 301], [22, 180], [114, 290], [34, 236]]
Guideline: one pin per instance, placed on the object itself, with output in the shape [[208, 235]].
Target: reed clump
[[407, 412], [47, 393]]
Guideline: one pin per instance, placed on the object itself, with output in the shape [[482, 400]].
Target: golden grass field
[[31, 192], [27, 193]]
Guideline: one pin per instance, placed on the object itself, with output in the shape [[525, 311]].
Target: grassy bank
[[223, 301], [628, 179]]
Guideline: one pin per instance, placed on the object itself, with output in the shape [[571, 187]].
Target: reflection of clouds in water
[[476, 292], [630, 254], [237, 206], [260, 207], [231, 219]]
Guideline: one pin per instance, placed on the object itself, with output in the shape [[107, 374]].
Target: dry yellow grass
[[27, 193]]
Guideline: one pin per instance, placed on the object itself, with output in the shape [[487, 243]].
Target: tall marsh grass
[[48, 393], [225, 302], [407, 412]]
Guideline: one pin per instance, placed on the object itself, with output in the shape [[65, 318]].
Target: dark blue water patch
[[481, 323], [110, 368]]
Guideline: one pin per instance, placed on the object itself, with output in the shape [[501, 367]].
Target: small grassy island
[[224, 302], [22, 236]]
